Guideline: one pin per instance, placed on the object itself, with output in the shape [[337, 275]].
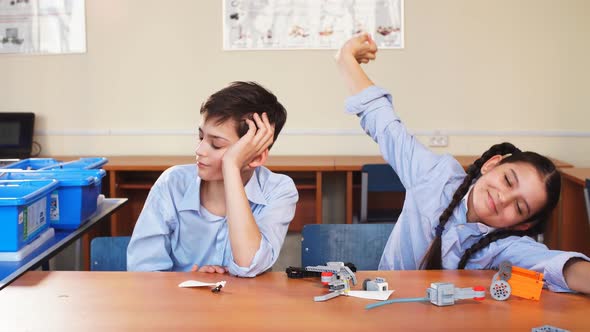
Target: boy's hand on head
[[210, 269], [361, 47], [257, 139]]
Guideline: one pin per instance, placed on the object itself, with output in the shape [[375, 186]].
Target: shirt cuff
[[357, 103], [262, 255], [554, 271]]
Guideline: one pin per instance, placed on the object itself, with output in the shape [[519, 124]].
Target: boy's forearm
[[577, 275], [244, 234], [354, 76]]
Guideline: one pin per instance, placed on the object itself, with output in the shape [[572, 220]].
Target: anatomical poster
[[310, 24], [42, 26]]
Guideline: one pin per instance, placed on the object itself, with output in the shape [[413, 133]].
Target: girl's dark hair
[[432, 259], [240, 100]]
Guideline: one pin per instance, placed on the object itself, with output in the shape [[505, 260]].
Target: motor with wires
[[440, 294], [514, 280], [36, 150]]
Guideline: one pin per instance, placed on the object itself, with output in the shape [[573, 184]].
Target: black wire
[[38, 146]]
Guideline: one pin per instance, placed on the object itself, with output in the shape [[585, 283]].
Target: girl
[[453, 220]]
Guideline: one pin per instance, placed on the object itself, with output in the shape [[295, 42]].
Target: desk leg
[[85, 252], [113, 193], [78, 254], [318, 198], [349, 197]]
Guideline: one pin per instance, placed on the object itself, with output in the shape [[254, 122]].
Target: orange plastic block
[[526, 283]]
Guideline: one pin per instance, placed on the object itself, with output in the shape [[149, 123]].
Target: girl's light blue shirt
[[430, 181], [174, 231]]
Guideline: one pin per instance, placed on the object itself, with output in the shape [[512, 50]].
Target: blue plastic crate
[[33, 163], [82, 163], [74, 201], [24, 207]]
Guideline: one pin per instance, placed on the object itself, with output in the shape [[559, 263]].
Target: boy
[[229, 213]]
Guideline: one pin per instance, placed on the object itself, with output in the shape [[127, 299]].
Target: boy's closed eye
[[216, 142]]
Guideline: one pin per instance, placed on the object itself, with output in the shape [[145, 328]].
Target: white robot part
[[444, 293], [500, 290]]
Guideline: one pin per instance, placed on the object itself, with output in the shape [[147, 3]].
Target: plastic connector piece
[[444, 293], [480, 293], [378, 284]]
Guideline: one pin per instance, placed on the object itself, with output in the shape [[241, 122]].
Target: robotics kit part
[[514, 280], [440, 294], [378, 284], [548, 328], [337, 275], [299, 272]]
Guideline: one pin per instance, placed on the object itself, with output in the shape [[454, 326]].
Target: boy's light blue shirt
[[174, 232], [430, 181]]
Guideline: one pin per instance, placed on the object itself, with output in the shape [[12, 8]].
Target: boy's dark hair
[[432, 259], [240, 100]]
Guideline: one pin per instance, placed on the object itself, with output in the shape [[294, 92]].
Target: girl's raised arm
[[359, 49]]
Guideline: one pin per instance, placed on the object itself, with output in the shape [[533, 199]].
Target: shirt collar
[[192, 197]]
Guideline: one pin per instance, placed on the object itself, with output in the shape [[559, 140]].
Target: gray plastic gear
[[505, 270]]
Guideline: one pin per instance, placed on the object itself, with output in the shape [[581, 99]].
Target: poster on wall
[[42, 26], [309, 24]]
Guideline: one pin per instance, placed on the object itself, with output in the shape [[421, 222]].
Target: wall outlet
[[438, 140]]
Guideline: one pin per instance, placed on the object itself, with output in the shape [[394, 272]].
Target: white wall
[[469, 65]]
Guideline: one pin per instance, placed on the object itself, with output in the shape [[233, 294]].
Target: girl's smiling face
[[506, 194]]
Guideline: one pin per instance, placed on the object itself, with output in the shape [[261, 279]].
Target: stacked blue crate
[[32, 163], [24, 210], [82, 163], [74, 201], [50, 163]]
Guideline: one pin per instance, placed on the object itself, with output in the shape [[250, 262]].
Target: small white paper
[[196, 283], [371, 295]]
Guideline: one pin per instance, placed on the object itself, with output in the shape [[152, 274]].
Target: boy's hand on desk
[[210, 269], [253, 144]]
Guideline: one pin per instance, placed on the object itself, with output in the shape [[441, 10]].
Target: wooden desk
[[133, 176], [125, 301], [573, 230], [9, 271]]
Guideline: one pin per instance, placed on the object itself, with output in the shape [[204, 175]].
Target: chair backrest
[[109, 253], [360, 244], [377, 178], [587, 195], [381, 177]]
